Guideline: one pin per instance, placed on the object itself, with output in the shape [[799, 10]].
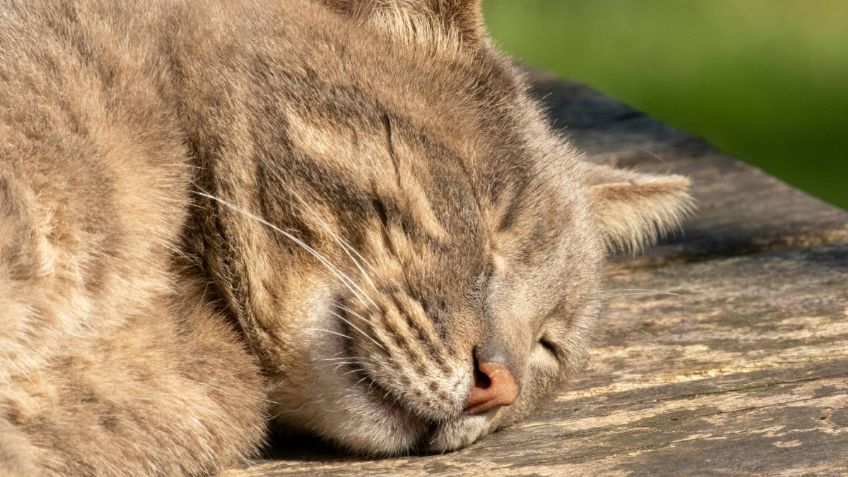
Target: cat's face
[[426, 276], [435, 250]]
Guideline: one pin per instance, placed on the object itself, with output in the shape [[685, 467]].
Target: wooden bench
[[722, 351]]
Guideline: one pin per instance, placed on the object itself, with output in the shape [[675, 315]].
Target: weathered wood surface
[[723, 351]]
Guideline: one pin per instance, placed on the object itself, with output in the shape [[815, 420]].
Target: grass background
[[764, 80]]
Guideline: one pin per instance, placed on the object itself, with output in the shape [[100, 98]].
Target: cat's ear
[[463, 18], [634, 209]]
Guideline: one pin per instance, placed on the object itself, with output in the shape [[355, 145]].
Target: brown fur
[[218, 214]]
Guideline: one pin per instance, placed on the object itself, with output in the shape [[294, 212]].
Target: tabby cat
[[343, 217]]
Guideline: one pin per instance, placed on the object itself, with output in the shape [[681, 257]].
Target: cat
[[341, 217]]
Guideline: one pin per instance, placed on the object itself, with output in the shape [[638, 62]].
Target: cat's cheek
[[332, 407]]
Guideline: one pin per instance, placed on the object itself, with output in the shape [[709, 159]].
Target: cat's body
[[328, 214]]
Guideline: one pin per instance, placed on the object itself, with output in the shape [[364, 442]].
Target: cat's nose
[[494, 386]]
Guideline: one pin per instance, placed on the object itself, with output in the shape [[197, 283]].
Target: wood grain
[[722, 352]]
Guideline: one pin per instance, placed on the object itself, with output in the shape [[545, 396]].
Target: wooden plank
[[723, 352]]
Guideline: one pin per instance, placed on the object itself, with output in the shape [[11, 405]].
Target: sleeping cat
[[344, 217]]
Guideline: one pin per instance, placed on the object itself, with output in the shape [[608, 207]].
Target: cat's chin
[[365, 422], [358, 417], [418, 438], [456, 434], [423, 435], [328, 393]]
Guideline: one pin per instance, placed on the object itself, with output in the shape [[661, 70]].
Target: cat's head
[[423, 266]]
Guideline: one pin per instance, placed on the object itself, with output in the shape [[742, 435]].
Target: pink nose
[[494, 386]]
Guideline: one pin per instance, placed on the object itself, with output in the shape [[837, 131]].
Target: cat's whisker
[[291, 411], [340, 358], [359, 369], [348, 249], [349, 362], [330, 332], [338, 355], [346, 280], [342, 364], [348, 310], [356, 362], [349, 359], [644, 292], [351, 285], [271, 401], [337, 315]]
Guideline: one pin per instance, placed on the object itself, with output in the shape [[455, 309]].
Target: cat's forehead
[[439, 141], [440, 123]]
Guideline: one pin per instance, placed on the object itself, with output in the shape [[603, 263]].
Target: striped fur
[[221, 216]]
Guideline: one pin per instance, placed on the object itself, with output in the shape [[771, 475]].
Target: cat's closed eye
[[548, 345]]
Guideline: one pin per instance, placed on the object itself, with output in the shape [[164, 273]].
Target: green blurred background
[[764, 80]]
